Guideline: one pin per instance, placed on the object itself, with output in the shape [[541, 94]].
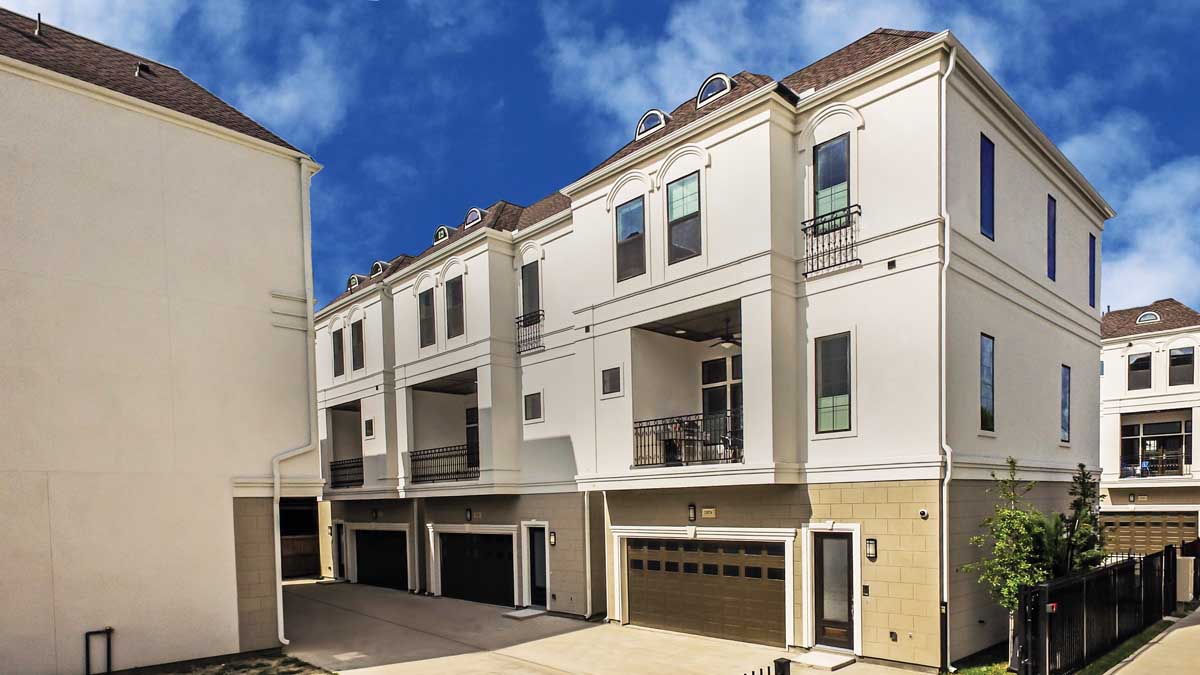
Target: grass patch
[[1123, 650], [991, 661]]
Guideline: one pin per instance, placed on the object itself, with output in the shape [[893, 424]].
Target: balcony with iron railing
[[529, 331], [451, 463], [346, 473], [1162, 463], [704, 438], [830, 240]]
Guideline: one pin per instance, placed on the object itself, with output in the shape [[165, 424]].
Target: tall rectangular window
[[683, 218], [1064, 417], [1183, 366], [831, 187], [631, 239], [1091, 270], [1051, 237], [455, 320], [533, 407], [357, 353], [987, 382], [833, 383], [1139, 372], [425, 317], [339, 353], [531, 289], [987, 187]]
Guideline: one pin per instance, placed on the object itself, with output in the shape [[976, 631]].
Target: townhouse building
[[157, 382], [1150, 399], [747, 378]]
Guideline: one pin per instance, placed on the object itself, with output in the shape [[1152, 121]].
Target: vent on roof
[[442, 233], [1148, 317], [473, 216], [37, 28], [652, 121], [140, 69], [716, 86], [377, 268]]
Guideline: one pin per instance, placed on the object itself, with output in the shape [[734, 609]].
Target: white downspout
[[947, 451], [307, 171]]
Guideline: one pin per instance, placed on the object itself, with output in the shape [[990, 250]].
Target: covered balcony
[[345, 435], [445, 430], [1156, 445], [687, 389]]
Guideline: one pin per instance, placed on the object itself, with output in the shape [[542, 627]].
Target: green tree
[[1014, 544], [1085, 536]]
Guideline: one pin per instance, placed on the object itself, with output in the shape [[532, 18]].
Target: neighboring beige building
[[754, 370], [1150, 399], [155, 281]]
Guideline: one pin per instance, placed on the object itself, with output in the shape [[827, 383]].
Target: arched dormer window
[[473, 216], [353, 282], [441, 234], [377, 268], [652, 121], [1148, 317], [716, 86]]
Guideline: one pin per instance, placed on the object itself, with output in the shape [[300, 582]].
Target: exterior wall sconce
[[872, 549], [553, 538], [468, 515], [1132, 498], [691, 513]]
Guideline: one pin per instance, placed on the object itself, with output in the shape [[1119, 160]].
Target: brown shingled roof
[[544, 208], [95, 63], [858, 55], [1173, 314]]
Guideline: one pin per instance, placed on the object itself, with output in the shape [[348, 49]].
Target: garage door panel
[[1147, 532], [382, 558], [477, 567], [704, 588]]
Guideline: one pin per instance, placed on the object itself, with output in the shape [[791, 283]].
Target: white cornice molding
[[55, 79]]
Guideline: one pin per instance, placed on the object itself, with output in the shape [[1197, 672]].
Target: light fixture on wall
[[691, 513], [872, 549], [1132, 498], [553, 538], [468, 515]]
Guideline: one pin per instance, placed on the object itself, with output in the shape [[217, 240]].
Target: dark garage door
[[478, 567], [382, 558], [726, 589], [1141, 532]]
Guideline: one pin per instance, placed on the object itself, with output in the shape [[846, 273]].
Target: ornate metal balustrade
[[529, 331], [830, 240], [344, 473], [456, 462], [711, 438]]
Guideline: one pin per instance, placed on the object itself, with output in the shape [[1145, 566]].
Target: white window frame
[[810, 623], [714, 76], [637, 131], [526, 579], [535, 420], [600, 383], [811, 385], [367, 436]]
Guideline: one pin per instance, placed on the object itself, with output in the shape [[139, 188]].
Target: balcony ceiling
[[702, 324], [459, 383]]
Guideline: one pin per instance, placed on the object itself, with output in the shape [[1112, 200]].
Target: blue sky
[[420, 109]]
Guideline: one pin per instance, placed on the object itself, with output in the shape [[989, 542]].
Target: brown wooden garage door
[[1144, 532], [725, 589]]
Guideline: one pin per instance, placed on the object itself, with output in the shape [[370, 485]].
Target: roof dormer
[[716, 86], [1148, 317], [378, 267], [652, 121], [442, 233], [474, 216]]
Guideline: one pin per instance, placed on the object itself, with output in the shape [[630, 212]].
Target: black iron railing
[[829, 240], [344, 473], [1155, 463], [711, 438], [529, 331], [456, 462]]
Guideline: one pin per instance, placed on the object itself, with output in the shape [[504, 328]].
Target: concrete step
[[523, 614], [819, 660]]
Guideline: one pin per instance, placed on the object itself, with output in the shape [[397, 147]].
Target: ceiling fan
[[728, 339]]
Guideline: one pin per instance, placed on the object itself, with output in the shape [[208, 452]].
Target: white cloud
[[1117, 146], [389, 170], [307, 101], [135, 26]]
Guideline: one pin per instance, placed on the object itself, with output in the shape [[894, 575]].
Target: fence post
[[783, 666]]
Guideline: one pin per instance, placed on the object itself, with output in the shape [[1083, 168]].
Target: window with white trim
[[683, 218]]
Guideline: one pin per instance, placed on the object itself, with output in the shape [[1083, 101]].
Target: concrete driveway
[[378, 631]]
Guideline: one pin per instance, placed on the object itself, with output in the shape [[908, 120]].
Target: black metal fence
[[779, 666], [829, 240], [344, 473], [529, 331], [1161, 462], [1064, 624], [706, 438], [456, 462]]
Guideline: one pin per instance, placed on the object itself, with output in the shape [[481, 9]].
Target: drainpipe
[[307, 171], [947, 451]]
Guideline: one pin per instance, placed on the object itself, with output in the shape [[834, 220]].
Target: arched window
[[353, 282], [652, 121], [1148, 317], [714, 87], [441, 234], [473, 216], [377, 268]]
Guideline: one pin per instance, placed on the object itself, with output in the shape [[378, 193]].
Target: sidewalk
[[1179, 644]]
